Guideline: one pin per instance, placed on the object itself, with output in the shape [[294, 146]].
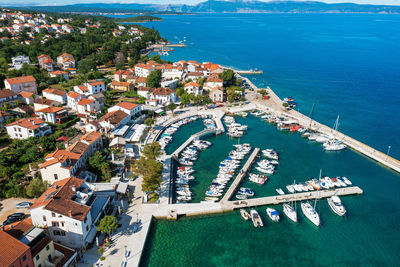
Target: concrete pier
[[239, 178]]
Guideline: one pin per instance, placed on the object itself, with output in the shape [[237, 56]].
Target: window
[[62, 224], [87, 227], [44, 218], [55, 176], [47, 247], [56, 232], [53, 214], [55, 224], [63, 233], [37, 257], [24, 258]]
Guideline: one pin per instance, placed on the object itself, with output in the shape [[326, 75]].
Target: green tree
[[180, 91], [228, 76], [99, 165], [107, 225], [263, 92], [171, 107], [149, 121], [185, 99], [86, 65], [3, 65], [154, 79], [152, 151], [36, 188]]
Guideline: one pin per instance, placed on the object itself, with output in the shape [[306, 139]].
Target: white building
[[72, 100], [19, 61], [55, 95], [192, 88], [24, 83], [143, 70], [25, 128], [69, 210], [90, 88], [87, 106], [164, 95], [129, 108], [67, 162]]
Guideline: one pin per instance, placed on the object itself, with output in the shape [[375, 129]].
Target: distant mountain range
[[219, 6]]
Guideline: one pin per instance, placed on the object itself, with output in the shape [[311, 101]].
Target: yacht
[[255, 217], [290, 211], [336, 205], [334, 145], [258, 179], [280, 191], [310, 213], [241, 197], [273, 214], [268, 171], [347, 181], [245, 214]]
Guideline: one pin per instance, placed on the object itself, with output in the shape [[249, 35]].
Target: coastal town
[[88, 110]]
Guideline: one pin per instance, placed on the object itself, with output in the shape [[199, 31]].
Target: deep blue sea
[[349, 63]]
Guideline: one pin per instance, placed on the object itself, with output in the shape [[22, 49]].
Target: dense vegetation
[[21, 155], [96, 47], [139, 19]]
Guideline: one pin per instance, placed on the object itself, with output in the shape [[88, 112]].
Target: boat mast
[[319, 191], [312, 112]]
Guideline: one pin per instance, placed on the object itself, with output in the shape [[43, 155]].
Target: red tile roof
[[6, 93], [12, 249], [50, 109], [23, 79], [25, 94], [58, 198], [127, 105], [54, 91], [194, 84], [73, 94], [95, 83], [163, 91], [85, 101], [31, 123], [83, 88]]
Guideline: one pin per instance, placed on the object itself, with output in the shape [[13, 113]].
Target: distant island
[[220, 6], [138, 19]]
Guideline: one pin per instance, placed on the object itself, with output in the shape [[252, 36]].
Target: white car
[[23, 205]]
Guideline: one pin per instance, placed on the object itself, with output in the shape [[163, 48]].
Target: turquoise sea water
[[351, 65], [368, 235]]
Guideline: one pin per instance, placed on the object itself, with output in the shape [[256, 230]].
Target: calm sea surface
[[351, 65]]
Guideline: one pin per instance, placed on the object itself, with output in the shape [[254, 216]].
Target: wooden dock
[[239, 178]]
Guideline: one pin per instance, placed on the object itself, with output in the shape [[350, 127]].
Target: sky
[[189, 2]]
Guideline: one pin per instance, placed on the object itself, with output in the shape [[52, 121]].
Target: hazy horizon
[[188, 2]]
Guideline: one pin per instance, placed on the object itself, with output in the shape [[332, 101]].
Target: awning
[[159, 111], [122, 188]]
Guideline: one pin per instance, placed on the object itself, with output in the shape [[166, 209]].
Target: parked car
[[15, 217], [23, 205]]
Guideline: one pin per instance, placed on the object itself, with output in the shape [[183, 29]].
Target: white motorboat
[[347, 181], [273, 214], [310, 213], [280, 191], [290, 188], [334, 145], [245, 214], [255, 217], [268, 171], [290, 212], [258, 179], [336, 205]]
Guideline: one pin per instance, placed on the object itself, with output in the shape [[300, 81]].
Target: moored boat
[[310, 213], [255, 217], [290, 212], [245, 214], [273, 214], [336, 205]]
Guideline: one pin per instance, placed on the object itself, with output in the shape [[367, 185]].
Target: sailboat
[[309, 211], [333, 144], [290, 211]]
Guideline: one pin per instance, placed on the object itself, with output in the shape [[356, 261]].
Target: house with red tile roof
[[44, 252], [14, 252], [131, 109], [63, 163], [113, 119], [121, 86], [213, 81], [27, 127], [55, 95], [73, 99], [46, 62], [26, 97], [69, 209], [8, 96], [23, 83], [164, 95], [66, 61], [141, 81], [87, 106], [59, 73], [192, 88], [57, 115], [90, 88]]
